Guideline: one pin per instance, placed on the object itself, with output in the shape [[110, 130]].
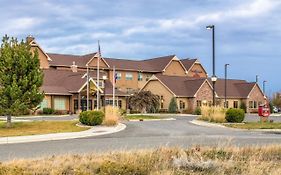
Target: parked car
[[275, 109]]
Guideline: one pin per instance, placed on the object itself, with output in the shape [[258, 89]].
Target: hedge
[[235, 115], [91, 118]]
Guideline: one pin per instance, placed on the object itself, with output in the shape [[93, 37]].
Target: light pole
[[225, 83], [104, 77], [213, 78], [263, 87]]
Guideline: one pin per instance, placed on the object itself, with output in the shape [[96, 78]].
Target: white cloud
[[19, 25], [248, 10]]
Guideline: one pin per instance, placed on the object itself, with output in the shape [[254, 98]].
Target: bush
[[61, 112], [173, 107], [197, 111], [163, 111], [91, 118], [48, 111], [123, 112], [235, 115]]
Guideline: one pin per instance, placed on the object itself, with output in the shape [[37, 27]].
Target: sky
[[247, 32]]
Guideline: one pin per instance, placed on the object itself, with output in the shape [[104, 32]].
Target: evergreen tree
[[20, 78], [173, 107]]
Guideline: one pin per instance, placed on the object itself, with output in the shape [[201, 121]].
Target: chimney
[[29, 39], [73, 67]]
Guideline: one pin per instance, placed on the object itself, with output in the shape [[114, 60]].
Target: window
[[101, 84], [118, 76], [59, 103], [235, 104], [255, 105], [199, 103], [182, 105], [120, 104], [44, 104], [129, 90], [251, 104], [129, 76], [110, 102], [147, 77], [226, 104], [139, 76]]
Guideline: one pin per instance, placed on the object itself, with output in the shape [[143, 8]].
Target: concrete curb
[[35, 116], [164, 114], [148, 120], [207, 124], [94, 131]]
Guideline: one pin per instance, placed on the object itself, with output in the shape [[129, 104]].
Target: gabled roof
[[235, 88], [67, 60], [188, 63], [180, 86], [156, 64], [65, 82]]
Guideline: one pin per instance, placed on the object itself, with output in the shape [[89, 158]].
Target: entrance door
[[83, 105]]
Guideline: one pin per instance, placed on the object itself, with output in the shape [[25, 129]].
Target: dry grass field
[[162, 161]]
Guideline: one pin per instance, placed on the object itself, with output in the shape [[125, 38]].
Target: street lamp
[[225, 83], [104, 77], [213, 78], [263, 87]]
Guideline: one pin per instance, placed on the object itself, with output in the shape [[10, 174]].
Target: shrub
[[48, 111], [163, 111], [197, 111], [243, 106], [112, 115], [173, 107], [235, 115], [212, 114], [61, 112], [122, 112], [91, 118]]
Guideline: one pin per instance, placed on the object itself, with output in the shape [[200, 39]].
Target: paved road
[[147, 134]]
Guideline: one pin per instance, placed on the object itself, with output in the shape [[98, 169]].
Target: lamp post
[[225, 83], [104, 77], [263, 87], [213, 78]]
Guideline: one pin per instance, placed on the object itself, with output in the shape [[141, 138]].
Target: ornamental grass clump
[[91, 118], [112, 116], [213, 114]]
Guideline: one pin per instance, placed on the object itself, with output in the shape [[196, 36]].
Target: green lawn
[[144, 117], [256, 125], [39, 127]]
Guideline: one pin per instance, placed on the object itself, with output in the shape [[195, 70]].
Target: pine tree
[[20, 78], [173, 107]]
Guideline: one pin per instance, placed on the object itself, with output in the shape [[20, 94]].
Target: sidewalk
[[94, 131]]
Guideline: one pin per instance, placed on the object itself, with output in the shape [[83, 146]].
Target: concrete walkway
[[94, 131]]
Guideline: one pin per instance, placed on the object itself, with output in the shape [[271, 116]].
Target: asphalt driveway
[[147, 134]]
